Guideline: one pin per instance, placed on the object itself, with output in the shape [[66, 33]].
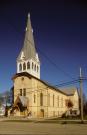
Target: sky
[[60, 32]]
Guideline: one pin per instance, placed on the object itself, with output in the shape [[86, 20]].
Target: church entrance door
[[42, 113]]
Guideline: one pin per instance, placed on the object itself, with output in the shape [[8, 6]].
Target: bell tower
[[28, 60]]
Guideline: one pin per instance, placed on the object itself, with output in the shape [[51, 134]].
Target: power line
[[47, 58], [54, 64], [71, 82], [67, 83]]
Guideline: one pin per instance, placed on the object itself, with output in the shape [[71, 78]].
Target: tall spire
[[29, 45], [29, 31], [28, 60]]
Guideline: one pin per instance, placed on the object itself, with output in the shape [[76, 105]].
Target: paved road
[[42, 128]]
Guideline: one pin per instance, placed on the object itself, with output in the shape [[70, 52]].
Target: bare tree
[[69, 103]]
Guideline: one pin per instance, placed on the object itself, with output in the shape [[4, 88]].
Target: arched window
[[20, 67], [41, 99], [34, 98], [28, 65], [35, 67], [61, 102], [48, 99], [20, 92], [53, 100], [32, 65], [24, 66], [58, 101], [24, 92]]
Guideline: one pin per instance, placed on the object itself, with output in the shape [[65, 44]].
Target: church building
[[34, 97]]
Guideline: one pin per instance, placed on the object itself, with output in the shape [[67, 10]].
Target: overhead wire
[[67, 83], [45, 56], [54, 64]]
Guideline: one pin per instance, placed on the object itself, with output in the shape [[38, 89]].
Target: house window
[[48, 99], [24, 66], [41, 99], [20, 67], [20, 92], [28, 65], [34, 98], [53, 100], [24, 92]]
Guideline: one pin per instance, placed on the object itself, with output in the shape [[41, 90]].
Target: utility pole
[[81, 95]]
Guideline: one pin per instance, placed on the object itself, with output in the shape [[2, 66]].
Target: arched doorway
[[42, 113]]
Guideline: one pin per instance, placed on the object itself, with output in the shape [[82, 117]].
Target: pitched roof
[[28, 49], [69, 91], [31, 76]]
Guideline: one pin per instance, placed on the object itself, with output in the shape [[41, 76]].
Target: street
[[31, 128]]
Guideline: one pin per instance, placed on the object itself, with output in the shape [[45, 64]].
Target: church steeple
[[29, 45], [28, 60]]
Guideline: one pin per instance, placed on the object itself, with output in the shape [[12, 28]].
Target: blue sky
[[60, 31]]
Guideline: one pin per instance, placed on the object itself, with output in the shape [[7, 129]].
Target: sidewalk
[[41, 120]]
